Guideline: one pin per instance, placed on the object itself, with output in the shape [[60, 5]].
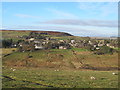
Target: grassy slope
[[56, 58], [13, 34], [8, 50]]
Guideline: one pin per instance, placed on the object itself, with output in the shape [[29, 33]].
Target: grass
[[118, 49], [61, 38], [5, 51], [49, 78], [13, 35], [79, 49], [61, 58]]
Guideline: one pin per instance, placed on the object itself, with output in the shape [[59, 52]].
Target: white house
[[39, 47], [62, 47], [31, 39], [72, 41], [36, 41]]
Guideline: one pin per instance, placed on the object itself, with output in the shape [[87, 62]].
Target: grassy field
[[16, 77], [57, 68], [56, 58], [13, 35], [8, 50]]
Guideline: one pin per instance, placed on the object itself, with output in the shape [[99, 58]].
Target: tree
[[7, 43], [19, 41]]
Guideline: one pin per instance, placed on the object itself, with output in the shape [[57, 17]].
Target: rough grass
[[10, 34], [56, 58], [79, 49], [50, 78], [6, 51], [13, 35], [58, 69]]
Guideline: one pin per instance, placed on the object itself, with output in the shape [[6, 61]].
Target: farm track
[[35, 83], [8, 78]]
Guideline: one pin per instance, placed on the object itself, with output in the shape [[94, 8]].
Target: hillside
[[75, 58], [59, 69], [60, 59], [42, 32], [75, 67]]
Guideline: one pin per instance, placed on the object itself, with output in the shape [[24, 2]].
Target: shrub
[[104, 50], [7, 43], [90, 48]]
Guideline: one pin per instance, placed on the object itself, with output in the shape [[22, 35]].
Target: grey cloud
[[97, 23], [49, 28], [72, 30]]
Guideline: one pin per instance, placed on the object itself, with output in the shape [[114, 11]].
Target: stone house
[[38, 46], [62, 47]]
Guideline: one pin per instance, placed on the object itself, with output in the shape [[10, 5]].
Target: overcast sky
[[77, 18]]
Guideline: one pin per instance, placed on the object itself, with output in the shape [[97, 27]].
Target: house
[[38, 46], [36, 41], [97, 48], [108, 45], [72, 41], [94, 45], [31, 39], [90, 42], [20, 44], [47, 38], [62, 47], [44, 42], [111, 46], [100, 44], [61, 40]]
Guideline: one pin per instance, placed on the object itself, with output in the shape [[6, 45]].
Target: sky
[[76, 18]]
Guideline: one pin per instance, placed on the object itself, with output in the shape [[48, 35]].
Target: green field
[[57, 68], [50, 78], [14, 35], [7, 50]]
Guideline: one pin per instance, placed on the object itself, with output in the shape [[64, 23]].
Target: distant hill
[[103, 37], [43, 32]]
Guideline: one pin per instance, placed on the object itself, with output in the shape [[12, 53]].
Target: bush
[[90, 48], [7, 43], [104, 50]]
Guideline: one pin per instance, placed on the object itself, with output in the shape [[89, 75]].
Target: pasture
[[57, 68], [56, 58], [17, 77]]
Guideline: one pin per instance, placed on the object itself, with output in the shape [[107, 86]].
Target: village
[[59, 44], [40, 41]]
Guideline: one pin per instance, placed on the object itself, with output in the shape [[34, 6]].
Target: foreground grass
[[50, 78]]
